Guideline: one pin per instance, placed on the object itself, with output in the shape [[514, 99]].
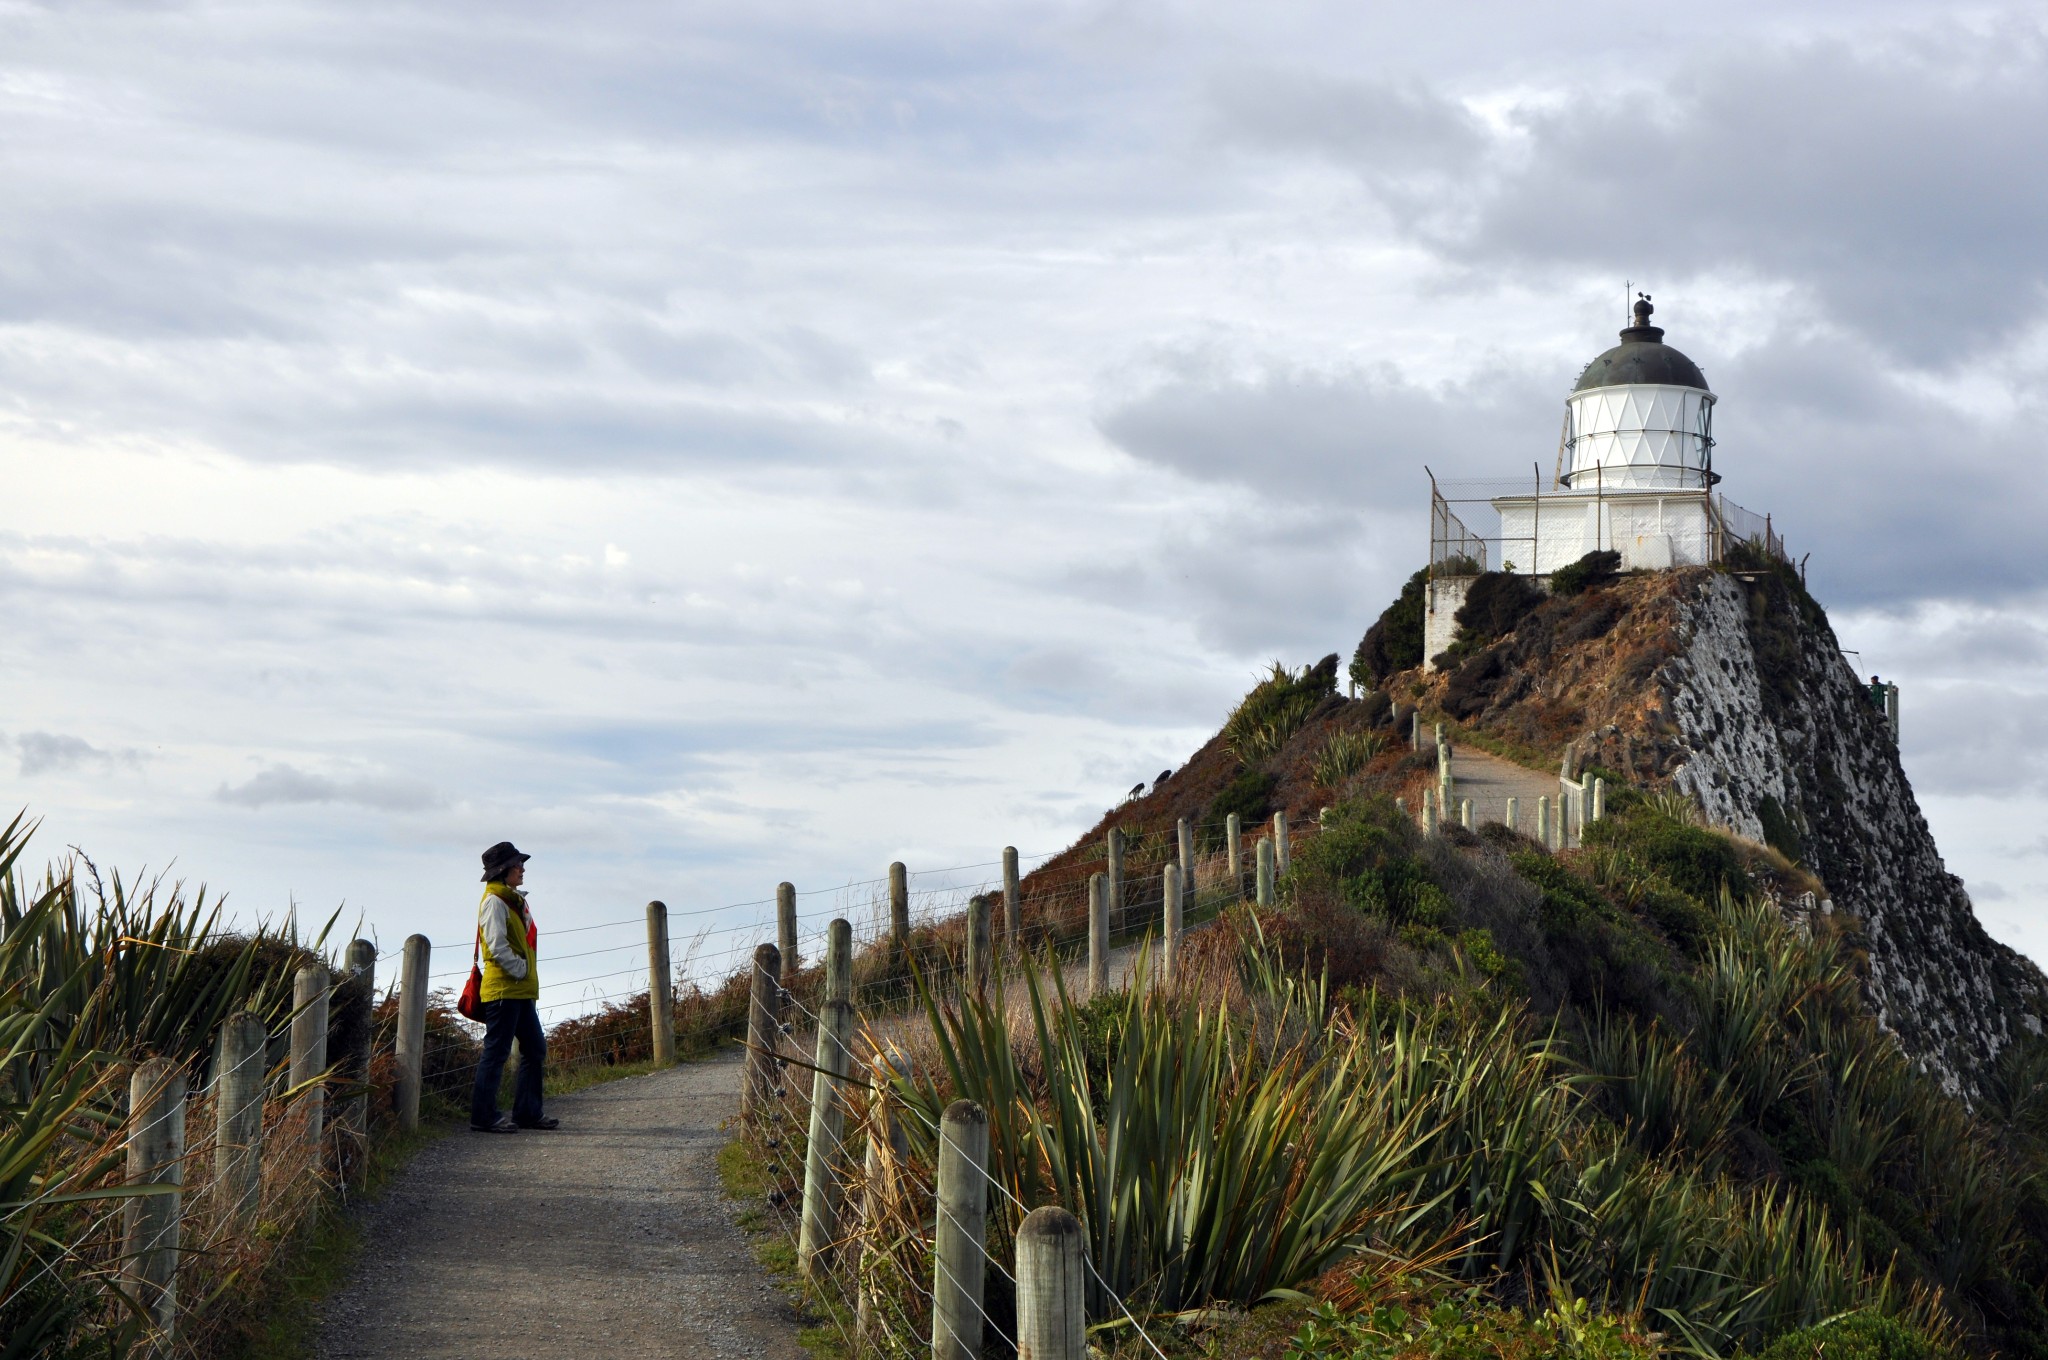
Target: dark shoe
[[543, 1124], [504, 1125]]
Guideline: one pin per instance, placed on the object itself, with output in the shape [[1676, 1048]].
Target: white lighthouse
[[1634, 474]]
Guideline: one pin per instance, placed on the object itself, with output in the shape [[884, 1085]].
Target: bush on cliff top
[[1394, 642]]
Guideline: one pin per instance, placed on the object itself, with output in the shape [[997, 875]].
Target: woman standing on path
[[511, 989]]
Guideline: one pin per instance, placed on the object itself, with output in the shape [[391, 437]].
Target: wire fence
[[1522, 525]]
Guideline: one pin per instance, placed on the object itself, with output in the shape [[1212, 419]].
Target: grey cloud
[[1360, 434], [286, 784], [1889, 181], [55, 752], [1384, 128]]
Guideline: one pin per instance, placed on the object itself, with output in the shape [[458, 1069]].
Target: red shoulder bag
[[470, 1005]]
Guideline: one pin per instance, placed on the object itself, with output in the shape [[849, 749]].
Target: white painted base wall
[[1650, 532]]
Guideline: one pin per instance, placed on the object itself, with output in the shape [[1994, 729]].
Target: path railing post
[[1514, 810], [1265, 884], [1098, 935], [1283, 850], [661, 996], [764, 1031], [1428, 813], [1233, 837], [1170, 924], [1599, 798], [412, 1029], [824, 1153], [1013, 900], [238, 1071], [899, 918], [785, 926], [309, 1054], [959, 1246], [150, 1223], [839, 960], [1465, 813], [1543, 821], [1052, 1295]]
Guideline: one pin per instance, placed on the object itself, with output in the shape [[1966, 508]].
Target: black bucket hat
[[501, 857]]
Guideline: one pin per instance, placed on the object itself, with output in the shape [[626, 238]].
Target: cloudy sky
[[717, 445]]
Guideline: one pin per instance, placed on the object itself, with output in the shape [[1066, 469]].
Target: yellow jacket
[[511, 973]]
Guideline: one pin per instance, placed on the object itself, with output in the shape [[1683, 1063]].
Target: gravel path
[[1490, 781], [607, 1239]]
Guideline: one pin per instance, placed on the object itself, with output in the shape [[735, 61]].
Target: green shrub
[[1860, 1336], [1394, 642], [1590, 572], [1249, 795], [1494, 604]]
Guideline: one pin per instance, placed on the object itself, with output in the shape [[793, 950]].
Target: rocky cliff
[[1733, 689]]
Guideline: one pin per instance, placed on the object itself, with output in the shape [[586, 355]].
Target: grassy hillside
[[1461, 1095]]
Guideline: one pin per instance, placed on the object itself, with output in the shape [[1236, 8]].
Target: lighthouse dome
[[1642, 357], [1640, 418]]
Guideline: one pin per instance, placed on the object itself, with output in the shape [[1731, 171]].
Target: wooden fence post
[[1013, 900], [1098, 935], [824, 1152], [1185, 835], [309, 1053], [960, 1242], [412, 1029], [1233, 836], [150, 1223], [1465, 813], [661, 996], [1265, 883], [357, 996], [1283, 851], [899, 916], [977, 942], [1514, 814], [1169, 927], [785, 926], [239, 1062], [1115, 858], [888, 1154], [1599, 799], [764, 1030], [1052, 1295], [839, 960]]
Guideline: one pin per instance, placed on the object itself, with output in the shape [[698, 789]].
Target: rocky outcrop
[[1734, 690], [1782, 744]]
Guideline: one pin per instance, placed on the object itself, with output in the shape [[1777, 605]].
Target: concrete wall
[[1440, 603]]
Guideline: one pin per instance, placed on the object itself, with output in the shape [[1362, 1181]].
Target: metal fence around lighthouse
[[1496, 524]]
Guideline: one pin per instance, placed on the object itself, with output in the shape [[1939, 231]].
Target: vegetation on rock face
[[1394, 642], [1590, 572]]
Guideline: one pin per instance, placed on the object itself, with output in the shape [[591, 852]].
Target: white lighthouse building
[[1634, 474]]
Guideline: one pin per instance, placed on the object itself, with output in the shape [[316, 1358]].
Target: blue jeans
[[505, 1021]]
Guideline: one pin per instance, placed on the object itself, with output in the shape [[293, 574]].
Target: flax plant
[[1204, 1167]]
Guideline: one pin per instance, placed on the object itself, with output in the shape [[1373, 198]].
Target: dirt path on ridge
[[608, 1239]]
